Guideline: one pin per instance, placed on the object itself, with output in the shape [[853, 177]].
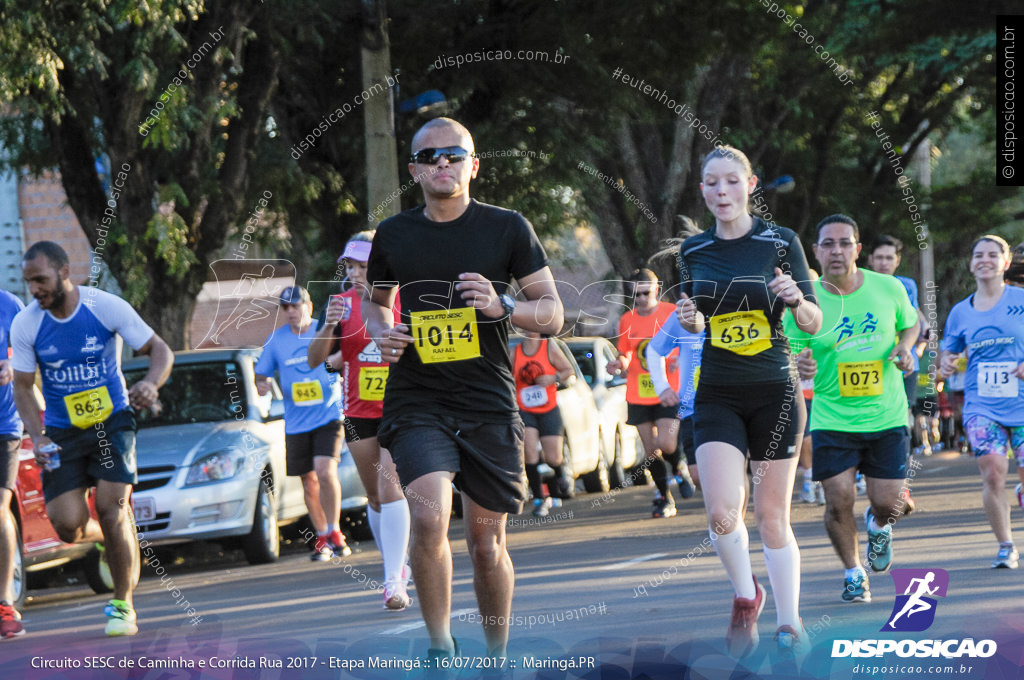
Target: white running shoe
[[396, 598], [807, 494]]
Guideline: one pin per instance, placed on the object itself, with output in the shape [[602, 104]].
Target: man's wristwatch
[[508, 303]]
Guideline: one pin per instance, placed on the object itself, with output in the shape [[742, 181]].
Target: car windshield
[[585, 358], [195, 393]]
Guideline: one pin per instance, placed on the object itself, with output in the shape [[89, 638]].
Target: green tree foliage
[[178, 93], [79, 79]]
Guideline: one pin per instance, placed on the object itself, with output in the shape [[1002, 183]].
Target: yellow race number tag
[[645, 386], [307, 393], [89, 407], [372, 380], [442, 336], [746, 333], [860, 378]]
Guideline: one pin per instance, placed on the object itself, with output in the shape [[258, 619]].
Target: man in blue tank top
[[72, 334]]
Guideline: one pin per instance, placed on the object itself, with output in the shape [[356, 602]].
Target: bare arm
[[542, 311], [903, 352], [563, 369], [320, 346], [391, 338], [690, 317], [28, 409], [144, 393], [947, 364]]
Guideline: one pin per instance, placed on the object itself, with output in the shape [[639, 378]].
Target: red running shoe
[[10, 622], [742, 636]]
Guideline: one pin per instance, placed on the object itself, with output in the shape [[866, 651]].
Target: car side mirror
[[615, 381]]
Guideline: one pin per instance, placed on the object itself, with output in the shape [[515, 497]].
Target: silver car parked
[[211, 457], [620, 443]]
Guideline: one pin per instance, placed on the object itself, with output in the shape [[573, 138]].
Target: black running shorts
[[765, 420], [487, 458]]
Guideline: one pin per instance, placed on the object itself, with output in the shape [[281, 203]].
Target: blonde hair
[[729, 153]]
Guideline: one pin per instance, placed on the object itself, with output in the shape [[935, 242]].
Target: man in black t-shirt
[[450, 411]]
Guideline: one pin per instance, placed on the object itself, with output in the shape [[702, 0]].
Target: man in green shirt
[[860, 405]]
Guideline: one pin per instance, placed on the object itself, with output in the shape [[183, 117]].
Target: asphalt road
[[599, 582]]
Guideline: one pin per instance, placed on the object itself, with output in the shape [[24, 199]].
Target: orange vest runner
[[635, 332], [531, 397]]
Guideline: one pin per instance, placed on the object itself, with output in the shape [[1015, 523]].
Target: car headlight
[[215, 467]]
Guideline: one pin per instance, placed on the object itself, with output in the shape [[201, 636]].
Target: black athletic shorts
[[648, 413], [879, 455], [104, 451], [357, 429], [549, 423], [807, 426], [765, 420], [487, 458], [9, 462], [685, 439], [302, 447]]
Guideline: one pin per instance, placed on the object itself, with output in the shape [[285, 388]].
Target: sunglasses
[[430, 156]]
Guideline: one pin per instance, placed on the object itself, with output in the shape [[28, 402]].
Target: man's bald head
[[446, 124]]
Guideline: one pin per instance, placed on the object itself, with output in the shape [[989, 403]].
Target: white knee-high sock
[[395, 524], [733, 549], [373, 517], [783, 566]]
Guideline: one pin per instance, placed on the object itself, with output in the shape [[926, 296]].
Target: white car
[[582, 446], [211, 457], [620, 443]]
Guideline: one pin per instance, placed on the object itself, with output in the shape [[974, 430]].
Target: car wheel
[[616, 475], [263, 544], [596, 481], [97, 571], [19, 585]]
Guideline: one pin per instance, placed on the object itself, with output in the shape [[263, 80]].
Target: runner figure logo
[[914, 610]]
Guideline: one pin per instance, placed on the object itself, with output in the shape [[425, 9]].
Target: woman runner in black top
[[738, 278]]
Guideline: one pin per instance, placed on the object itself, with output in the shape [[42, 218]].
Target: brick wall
[[46, 216]]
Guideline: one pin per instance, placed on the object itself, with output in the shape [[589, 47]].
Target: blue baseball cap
[[295, 295]]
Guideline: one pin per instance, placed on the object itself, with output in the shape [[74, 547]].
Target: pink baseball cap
[[356, 250]]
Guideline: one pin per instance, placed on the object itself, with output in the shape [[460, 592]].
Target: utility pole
[[923, 166], [378, 112]]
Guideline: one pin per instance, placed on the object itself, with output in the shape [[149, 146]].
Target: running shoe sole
[[664, 512], [397, 600], [120, 622], [849, 595], [1011, 561], [791, 643]]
